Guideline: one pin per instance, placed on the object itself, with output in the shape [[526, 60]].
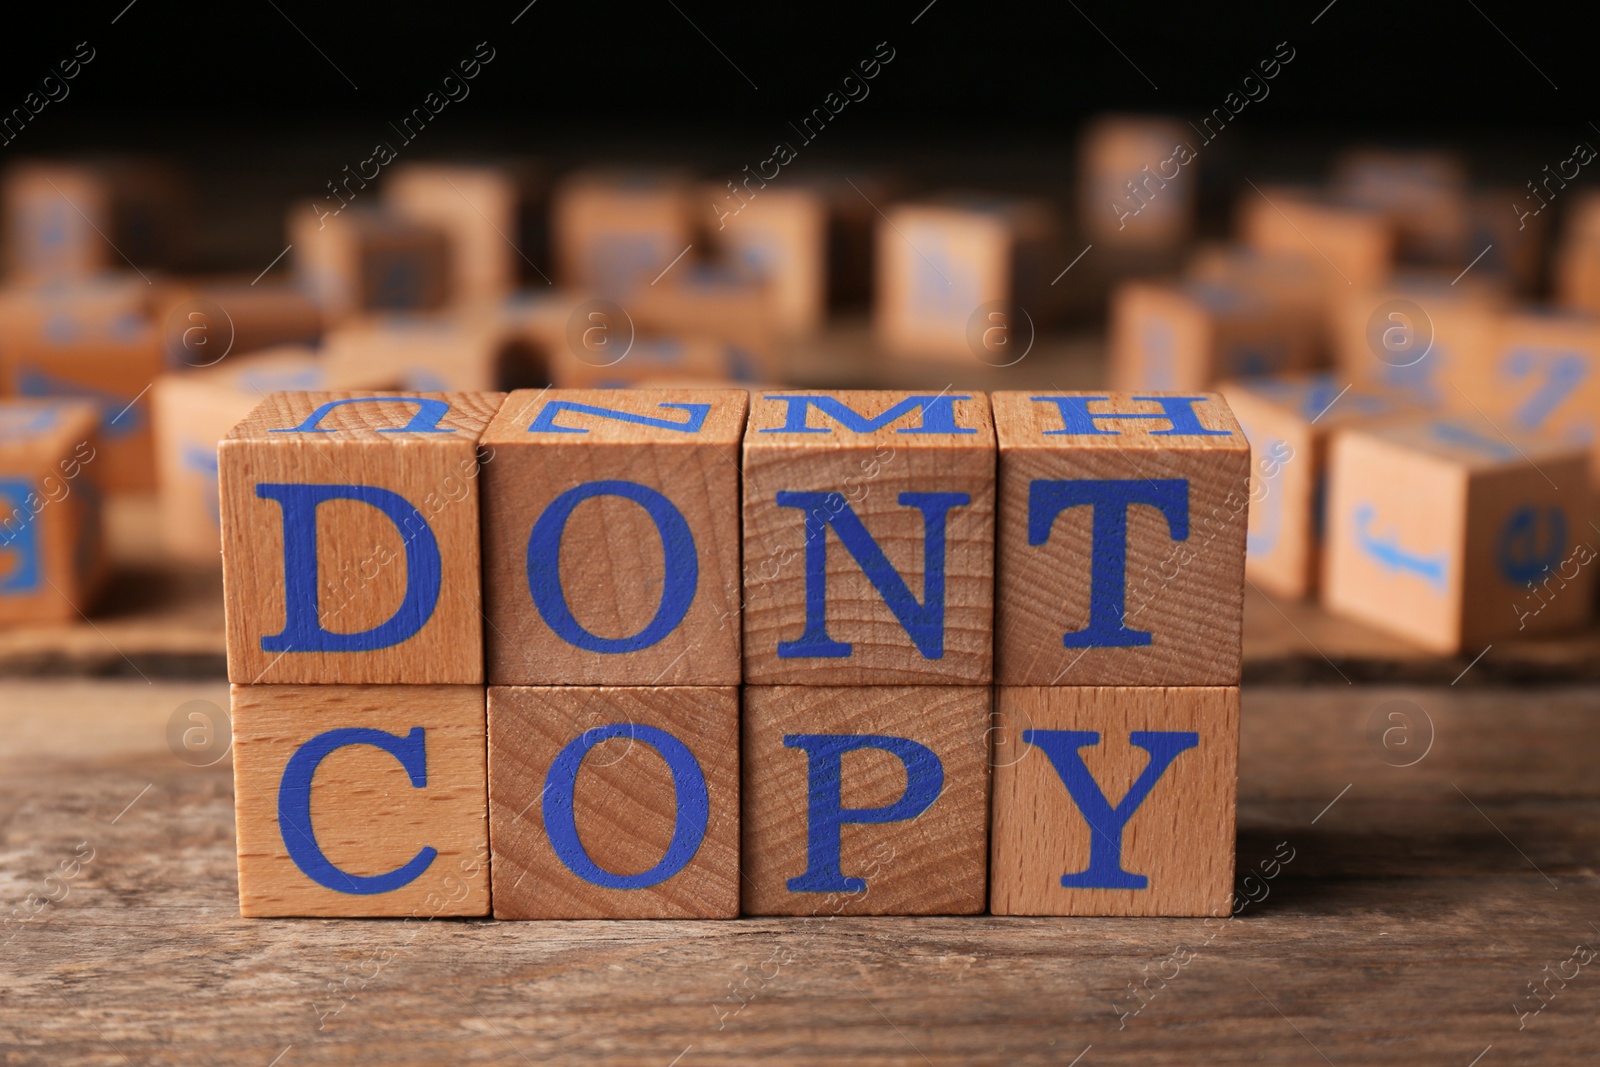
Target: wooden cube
[[1288, 422], [1577, 266], [780, 235], [91, 341], [1059, 846], [1191, 334], [1418, 335], [902, 485], [697, 301], [479, 208], [1137, 186], [959, 278], [350, 539], [51, 560], [69, 221], [356, 260], [1513, 248], [1452, 535], [614, 232], [1121, 539], [206, 321], [1423, 195], [361, 800], [865, 800], [614, 803], [469, 351], [1355, 244], [611, 537]]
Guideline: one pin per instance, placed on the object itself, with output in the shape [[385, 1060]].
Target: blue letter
[[1105, 822], [689, 821], [294, 807], [680, 563], [545, 421], [938, 415], [1178, 410], [302, 624], [923, 622], [825, 808], [1108, 548], [426, 420]]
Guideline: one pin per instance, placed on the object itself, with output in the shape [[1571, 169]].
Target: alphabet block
[[781, 235], [203, 322], [1136, 182], [51, 563], [477, 207], [611, 537], [350, 539], [613, 803], [470, 351], [361, 800], [614, 232], [1190, 334], [1418, 335], [1422, 194], [68, 222], [356, 260], [89, 341], [1121, 539], [1059, 846], [904, 484], [865, 800], [953, 271], [696, 301], [1451, 534], [1577, 266], [1288, 422], [1354, 244]]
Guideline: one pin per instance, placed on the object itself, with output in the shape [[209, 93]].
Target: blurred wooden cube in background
[[1354, 244], [1137, 182], [1417, 334], [1577, 265], [463, 351], [1422, 194], [1452, 535], [704, 301], [51, 560], [780, 236], [68, 221], [357, 259], [615, 231], [202, 321]]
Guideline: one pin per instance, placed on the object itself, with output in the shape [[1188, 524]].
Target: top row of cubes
[[879, 542]]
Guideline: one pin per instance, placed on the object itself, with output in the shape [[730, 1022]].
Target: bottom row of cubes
[[692, 802]]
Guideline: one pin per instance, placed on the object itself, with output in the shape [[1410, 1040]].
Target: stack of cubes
[[782, 653]]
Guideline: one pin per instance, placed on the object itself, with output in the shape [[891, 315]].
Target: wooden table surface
[[1416, 904]]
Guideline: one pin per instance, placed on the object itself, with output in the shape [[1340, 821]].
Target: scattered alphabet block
[[1137, 187], [1355, 244], [615, 231], [469, 351], [350, 539], [1418, 335], [614, 803], [358, 260], [865, 800], [1422, 194], [203, 323], [868, 538], [1451, 534], [611, 537], [1060, 846], [697, 301], [51, 559], [71, 221], [1121, 540], [1289, 421], [361, 800], [780, 235], [480, 208]]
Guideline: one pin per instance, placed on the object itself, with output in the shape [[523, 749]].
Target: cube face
[[1355, 243], [1121, 154], [477, 208], [1165, 848], [362, 261], [611, 538], [865, 800], [1429, 341], [350, 539], [51, 560], [613, 233], [1187, 336], [782, 235], [467, 352], [614, 803], [55, 218], [936, 267], [1121, 539], [868, 539], [1442, 532], [361, 800], [1538, 377]]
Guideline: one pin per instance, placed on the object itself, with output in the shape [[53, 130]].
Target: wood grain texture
[[368, 817], [362, 557], [934, 863], [52, 550], [625, 804], [1186, 593], [1180, 838], [1401, 932], [1288, 421], [621, 566], [1451, 535], [868, 471]]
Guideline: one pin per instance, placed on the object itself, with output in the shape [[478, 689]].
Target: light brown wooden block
[[613, 232], [1516, 246], [51, 559], [897, 480], [383, 584], [611, 537], [356, 259], [696, 301], [952, 274], [1577, 265], [782, 236], [478, 208], [90, 341], [1354, 244], [1422, 194], [69, 222], [203, 322], [1418, 335], [816, 798], [1191, 334], [467, 351], [1121, 540], [614, 803], [1451, 534], [1164, 846], [361, 800], [1288, 421], [1137, 182]]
